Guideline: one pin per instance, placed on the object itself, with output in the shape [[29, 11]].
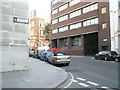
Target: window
[[75, 26], [76, 41], [63, 7], [41, 24], [54, 2], [104, 25], [90, 22], [73, 2], [54, 31], [32, 24], [90, 8], [63, 18], [104, 10], [62, 29], [55, 11], [64, 42], [54, 21], [32, 32], [76, 13], [41, 32]]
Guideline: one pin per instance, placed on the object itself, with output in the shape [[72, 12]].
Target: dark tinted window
[[114, 53]]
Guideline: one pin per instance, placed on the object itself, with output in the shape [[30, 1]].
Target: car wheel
[[105, 58], [116, 59], [95, 58]]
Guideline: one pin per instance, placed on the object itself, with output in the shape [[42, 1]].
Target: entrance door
[[90, 44]]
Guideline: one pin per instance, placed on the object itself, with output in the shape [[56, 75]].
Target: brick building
[[36, 36], [79, 27]]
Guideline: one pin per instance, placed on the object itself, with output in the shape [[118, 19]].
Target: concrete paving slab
[[40, 75]]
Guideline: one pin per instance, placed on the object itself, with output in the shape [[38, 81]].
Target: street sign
[[20, 20]]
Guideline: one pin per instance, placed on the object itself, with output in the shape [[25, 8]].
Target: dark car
[[31, 53], [117, 58], [106, 55], [38, 53], [44, 56]]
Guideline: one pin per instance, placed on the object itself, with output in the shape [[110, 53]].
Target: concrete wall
[[14, 36]]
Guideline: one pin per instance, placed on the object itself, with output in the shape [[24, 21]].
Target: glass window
[[104, 10], [41, 32], [62, 29], [64, 42], [54, 31], [63, 18], [90, 8], [55, 11], [76, 13], [54, 2], [54, 21], [76, 41], [104, 25], [90, 22], [32, 24], [63, 7]]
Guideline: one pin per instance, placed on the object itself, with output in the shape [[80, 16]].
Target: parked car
[[106, 55], [31, 52], [55, 50], [38, 53], [44, 56], [59, 58], [117, 58]]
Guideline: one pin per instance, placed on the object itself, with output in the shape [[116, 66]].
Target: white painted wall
[[114, 24], [13, 36]]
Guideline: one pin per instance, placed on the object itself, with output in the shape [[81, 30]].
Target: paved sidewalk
[[40, 75]]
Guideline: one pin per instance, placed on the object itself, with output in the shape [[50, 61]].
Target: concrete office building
[[79, 27], [13, 35], [115, 24]]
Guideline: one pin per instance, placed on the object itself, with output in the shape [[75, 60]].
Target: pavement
[[40, 75]]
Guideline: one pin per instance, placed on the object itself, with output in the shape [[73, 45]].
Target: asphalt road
[[86, 72]]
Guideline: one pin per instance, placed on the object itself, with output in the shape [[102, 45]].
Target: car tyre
[[105, 58], [116, 59]]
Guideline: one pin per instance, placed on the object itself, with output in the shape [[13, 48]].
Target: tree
[[47, 31]]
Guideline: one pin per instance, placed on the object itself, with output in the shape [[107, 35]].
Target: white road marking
[[74, 80], [83, 84], [104, 87], [71, 80], [92, 83], [82, 79]]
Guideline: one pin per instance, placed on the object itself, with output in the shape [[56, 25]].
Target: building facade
[[79, 27], [14, 35], [115, 24], [36, 35]]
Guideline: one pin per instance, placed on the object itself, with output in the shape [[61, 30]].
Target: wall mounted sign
[[20, 20]]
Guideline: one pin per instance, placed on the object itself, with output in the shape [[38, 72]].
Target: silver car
[[59, 58]]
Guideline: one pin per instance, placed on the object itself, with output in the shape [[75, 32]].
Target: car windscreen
[[58, 54], [104, 52]]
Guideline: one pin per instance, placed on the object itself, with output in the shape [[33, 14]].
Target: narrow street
[[86, 72]]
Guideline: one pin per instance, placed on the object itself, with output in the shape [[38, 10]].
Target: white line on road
[[82, 79], [83, 84], [93, 83], [74, 80], [104, 87], [71, 80]]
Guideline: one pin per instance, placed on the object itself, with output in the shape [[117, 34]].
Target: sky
[[42, 7]]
